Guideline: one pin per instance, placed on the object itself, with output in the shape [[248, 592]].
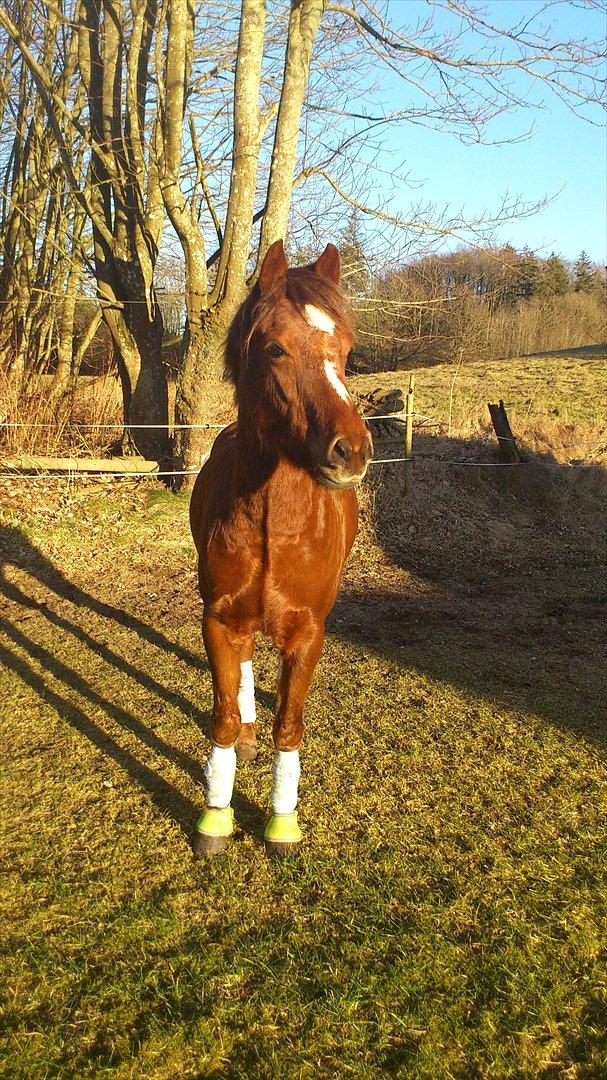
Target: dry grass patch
[[45, 425], [555, 402]]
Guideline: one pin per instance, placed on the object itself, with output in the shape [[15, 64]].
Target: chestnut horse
[[274, 515]]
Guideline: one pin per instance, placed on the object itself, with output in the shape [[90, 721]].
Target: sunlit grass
[[446, 918], [562, 389]]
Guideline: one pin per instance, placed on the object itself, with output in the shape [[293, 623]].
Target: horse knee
[[287, 732], [225, 727]]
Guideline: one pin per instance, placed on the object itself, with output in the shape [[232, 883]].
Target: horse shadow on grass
[[492, 581], [30, 659]]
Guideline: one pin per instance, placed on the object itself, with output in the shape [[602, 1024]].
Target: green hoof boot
[[282, 835], [213, 831]]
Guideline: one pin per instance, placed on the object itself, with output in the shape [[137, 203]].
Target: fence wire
[[173, 427], [71, 474]]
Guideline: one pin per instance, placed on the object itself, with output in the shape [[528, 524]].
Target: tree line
[[472, 303]]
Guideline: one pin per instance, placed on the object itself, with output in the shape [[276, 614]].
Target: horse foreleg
[[217, 823], [246, 745], [298, 661]]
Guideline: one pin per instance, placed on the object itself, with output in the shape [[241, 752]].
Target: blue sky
[[564, 158]]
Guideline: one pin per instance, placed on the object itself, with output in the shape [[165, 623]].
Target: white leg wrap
[[219, 774], [246, 693], [285, 779]]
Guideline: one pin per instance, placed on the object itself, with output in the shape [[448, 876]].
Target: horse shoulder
[[213, 487]]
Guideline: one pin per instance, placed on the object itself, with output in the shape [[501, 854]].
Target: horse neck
[[263, 467], [256, 459]]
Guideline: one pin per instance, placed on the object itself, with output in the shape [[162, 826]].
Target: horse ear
[[328, 265], [273, 267]]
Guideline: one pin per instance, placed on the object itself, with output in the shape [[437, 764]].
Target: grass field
[[447, 916], [556, 401]]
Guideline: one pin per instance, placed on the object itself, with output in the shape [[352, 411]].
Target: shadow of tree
[[17, 551], [163, 794]]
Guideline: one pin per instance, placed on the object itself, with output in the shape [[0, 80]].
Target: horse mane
[[303, 287]]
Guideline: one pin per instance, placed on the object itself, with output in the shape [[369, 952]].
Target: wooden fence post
[[507, 443], [408, 437]]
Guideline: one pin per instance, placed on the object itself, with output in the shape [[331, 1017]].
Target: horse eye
[[276, 350]]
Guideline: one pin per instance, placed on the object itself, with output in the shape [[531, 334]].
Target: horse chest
[[305, 546], [280, 557]]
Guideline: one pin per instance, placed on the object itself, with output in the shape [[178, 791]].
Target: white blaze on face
[[319, 319], [336, 383]]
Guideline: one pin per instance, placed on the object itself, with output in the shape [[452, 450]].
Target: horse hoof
[[246, 752], [281, 849], [282, 835], [213, 831], [209, 845]]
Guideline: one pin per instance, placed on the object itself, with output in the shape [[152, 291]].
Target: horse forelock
[[303, 287]]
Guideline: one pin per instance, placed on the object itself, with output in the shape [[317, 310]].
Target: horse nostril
[[340, 452]]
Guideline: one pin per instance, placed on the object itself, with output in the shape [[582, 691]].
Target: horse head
[[286, 355]]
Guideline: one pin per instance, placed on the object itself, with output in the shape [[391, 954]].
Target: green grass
[[568, 387], [447, 916]]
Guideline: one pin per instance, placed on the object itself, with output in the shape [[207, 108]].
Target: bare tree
[[234, 122], [33, 216], [212, 303], [457, 88], [106, 66]]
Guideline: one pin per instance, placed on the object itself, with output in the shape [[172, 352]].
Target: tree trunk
[[304, 22], [67, 312], [85, 342], [144, 385], [203, 395]]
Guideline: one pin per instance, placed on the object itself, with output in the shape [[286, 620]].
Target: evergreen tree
[[508, 291], [553, 278], [526, 274], [355, 272], [520, 269], [586, 277]]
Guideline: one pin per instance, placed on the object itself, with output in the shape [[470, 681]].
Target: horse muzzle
[[346, 464]]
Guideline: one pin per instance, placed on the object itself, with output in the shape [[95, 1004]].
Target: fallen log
[[381, 403], [36, 463]]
